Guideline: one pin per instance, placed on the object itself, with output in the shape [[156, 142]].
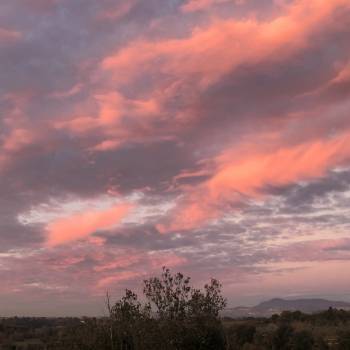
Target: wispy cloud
[[210, 136]]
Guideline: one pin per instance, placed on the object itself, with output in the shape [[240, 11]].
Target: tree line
[[176, 316]]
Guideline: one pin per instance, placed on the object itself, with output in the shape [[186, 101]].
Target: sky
[[208, 136]]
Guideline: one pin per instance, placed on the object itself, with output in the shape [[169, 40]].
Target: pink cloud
[[343, 75], [81, 225], [119, 118], [151, 262], [208, 53], [198, 60], [9, 35], [117, 277], [17, 139], [166, 259], [200, 5], [117, 12], [18, 134], [183, 84], [71, 92], [120, 262], [244, 172]]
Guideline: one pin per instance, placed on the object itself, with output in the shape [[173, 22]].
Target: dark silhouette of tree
[[169, 295], [187, 317], [128, 319], [174, 316]]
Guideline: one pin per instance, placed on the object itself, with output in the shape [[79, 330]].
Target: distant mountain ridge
[[277, 305]]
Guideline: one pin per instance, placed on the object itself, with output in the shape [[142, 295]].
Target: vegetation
[[291, 331], [176, 316]]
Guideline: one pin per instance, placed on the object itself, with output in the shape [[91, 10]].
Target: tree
[[130, 322], [187, 317], [175, 316], [208, 303], [174, 298], [169, 295]]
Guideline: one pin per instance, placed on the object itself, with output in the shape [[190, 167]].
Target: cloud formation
[[78, 226], [211, 136]]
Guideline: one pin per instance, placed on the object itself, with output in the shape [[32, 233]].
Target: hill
[[277, 305]]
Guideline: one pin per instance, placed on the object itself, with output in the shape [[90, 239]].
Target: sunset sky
[[210, 136]]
